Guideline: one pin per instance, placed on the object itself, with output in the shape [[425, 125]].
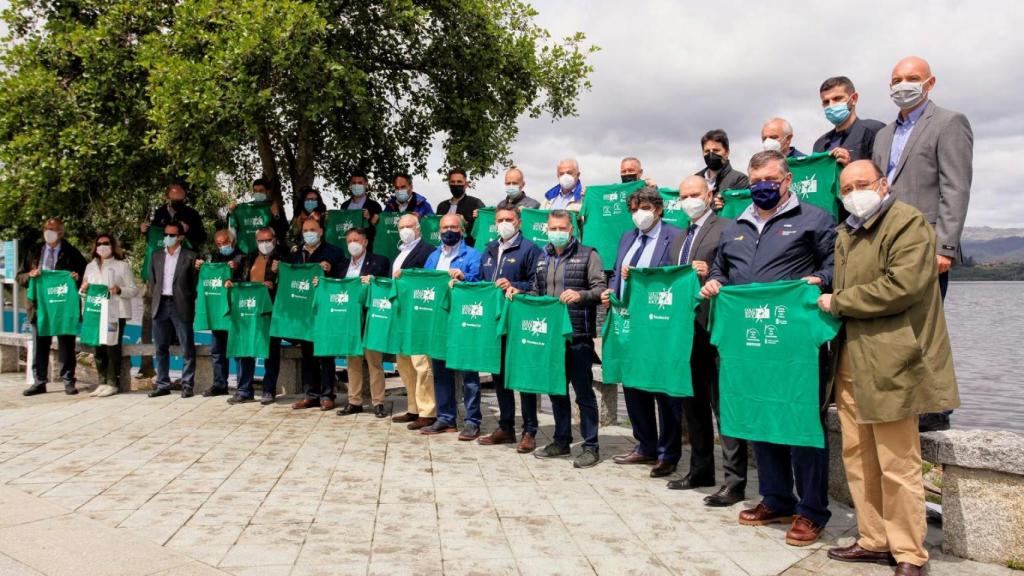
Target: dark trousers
[[166, 324], [658, 436], [579, 359], [507, 403], [271, 367], [41, 359], [317, 373], [219, 356], [698, 410], [444, 393], [108, 359]]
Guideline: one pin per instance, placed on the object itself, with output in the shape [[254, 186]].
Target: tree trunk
[[305, 153]]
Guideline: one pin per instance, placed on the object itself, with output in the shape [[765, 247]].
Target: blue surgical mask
[[310, 205], [402, 195], [838, 113], [170, 241], [558, 238], [226, 250], [766, 194], [451, 237], [310, 238], [357, 190], [511, 191], [259, 197]]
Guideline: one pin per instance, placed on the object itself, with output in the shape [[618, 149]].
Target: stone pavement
[[132, 485]]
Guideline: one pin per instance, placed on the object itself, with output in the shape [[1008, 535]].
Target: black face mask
[[457, 190], [630, 178], [713, 161], [177, 204]]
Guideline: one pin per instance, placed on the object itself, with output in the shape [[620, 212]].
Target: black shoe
[[70, 389], [213, 392], [350, 409], [187, 392], [267, 399], [724, 497], [688, 483], [34, 389], [933, 422], [379, 411], [159, 392], [239, 399]]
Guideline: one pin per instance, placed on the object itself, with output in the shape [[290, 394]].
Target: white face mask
[[693, 207], [265, 247], [567, 181], [103, 251], [771, 144], [907, 94], [355, 249], [407, 235], [506, 230], [862, 203], [643, 219], [50, 236]]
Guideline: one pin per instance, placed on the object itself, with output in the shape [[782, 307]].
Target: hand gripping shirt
[[537, 330], [422, 300], [381, 331], [212, 297], [250, 320], [338, 328], [473, 340], [293, 308], [606, 216], [56, 300]]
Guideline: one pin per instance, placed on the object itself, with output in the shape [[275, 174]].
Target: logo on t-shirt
[[661, 299], [339, 298], [61, 290], [213, 283], [96, 300], [300, 285], [758, 314], [253, 221], [474, 311], [807, 186], [771, 336], [535, 327], [426, 295], [780, 315], [382, 304], [247, 303]]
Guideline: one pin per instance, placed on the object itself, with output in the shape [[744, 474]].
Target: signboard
[[9, 261]]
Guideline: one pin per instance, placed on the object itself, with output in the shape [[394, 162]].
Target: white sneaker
[[107, 391], [97, 390]]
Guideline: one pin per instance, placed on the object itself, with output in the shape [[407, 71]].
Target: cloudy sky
[[670, 70]]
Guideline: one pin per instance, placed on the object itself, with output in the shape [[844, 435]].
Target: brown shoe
[[634, 457], [662, 469], [326, 404], [306, 403], [761, 515], [527, 444], [908, 569], [803, 532], [421, 423], [499, 436], [854, 553], [404, 418]]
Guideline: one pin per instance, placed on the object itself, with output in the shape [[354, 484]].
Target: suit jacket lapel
[[702, 234], [179, 265], [915, 135]]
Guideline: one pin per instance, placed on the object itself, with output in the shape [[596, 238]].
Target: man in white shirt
[[172, 281]]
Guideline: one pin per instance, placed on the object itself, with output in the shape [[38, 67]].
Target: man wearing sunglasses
[[172, 282]]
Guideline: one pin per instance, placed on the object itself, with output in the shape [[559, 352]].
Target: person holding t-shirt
[[461, 203], [359, 199], [225, 252]]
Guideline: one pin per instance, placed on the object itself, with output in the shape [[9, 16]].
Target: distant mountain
[[987, 245]]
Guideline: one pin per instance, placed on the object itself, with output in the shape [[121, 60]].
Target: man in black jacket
[[176, 211], [853, 137], [55, 253], [719, 174], [461, 203], [172, 284]]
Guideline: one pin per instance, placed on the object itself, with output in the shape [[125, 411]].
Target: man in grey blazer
[[172, 284], [927, 154], [698, 247]]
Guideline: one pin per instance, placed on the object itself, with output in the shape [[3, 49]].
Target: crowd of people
[[882, 270]]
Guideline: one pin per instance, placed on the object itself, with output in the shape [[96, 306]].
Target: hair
[[717, 135], [357, 174], [407, 176], [560, 214], [507, 209], [835, 82], [631, 159], [646, 194], [787, 128], [762, 158], [454, 171], [575, 164], [226, 231], [115, 249], [360, 231], [261, 182], [174, 185], [273, 235], [177, 225], [56, 221], [415, 216], [462, 221], [305, 191]]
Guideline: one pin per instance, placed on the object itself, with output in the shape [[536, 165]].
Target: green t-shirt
[[250, 320], [734, 203], [381, 331], [96, 325], [674, 213], [422, 301], [535, 225], [661, 303], [386, 242], [816, 181], [615, 341], [339, 222], [212, 297], [537, 329], [768, 338], [338, 329], [293, 308], [484, 228], [246, 219], [430, 228], [154, 242], [56, 299], [606, 216], [473, 341]]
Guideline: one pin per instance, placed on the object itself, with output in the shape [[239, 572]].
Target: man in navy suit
[[659, 439]]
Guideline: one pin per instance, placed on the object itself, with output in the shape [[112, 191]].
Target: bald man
[[515, 193], [927, 156], [777, 135]]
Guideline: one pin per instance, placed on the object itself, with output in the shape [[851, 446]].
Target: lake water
[[985, 326]]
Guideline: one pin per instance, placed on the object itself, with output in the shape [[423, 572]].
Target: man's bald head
[[693, 187], [860, 175], [911, 66]]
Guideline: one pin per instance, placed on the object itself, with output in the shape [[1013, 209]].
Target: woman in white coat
[[108, 267]]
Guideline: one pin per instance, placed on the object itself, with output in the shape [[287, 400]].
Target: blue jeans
[[661, 436], [271, 367], [444, 393], [166, 324], [221, 364], [579, 359]]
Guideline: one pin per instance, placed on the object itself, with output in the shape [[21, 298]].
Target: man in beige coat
[[893, 363]]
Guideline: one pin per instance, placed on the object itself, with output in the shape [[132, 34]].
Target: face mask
[[355, 249], [451, 237], [265, 247], [714, 161], [907, 94], [629, 178], [259, 197], [170, 241], [643, 219], [177, 204], [838, 113], [457, 190], [310, 205], [357, 190], [558, 238], [310, 238], [506, 230], [50, 236], [862, 203], [765, 194], [693, 207], [402, 195], [407, 235], [512, 191], [771, 144], [226, 250], [567, 181], [103, 251]]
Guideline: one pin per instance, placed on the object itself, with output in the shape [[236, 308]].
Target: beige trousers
[[883, 468], [418, 377], [357, 377]]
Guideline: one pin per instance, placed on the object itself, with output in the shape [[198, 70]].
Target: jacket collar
[[793, 203], [577, 191]]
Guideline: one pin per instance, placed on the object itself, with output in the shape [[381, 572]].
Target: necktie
[[50, 263], [684, 256], [639, 251]]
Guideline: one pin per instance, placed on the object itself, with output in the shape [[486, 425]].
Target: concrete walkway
[[132, 485]]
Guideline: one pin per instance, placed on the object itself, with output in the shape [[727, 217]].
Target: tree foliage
[[103, 102]]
